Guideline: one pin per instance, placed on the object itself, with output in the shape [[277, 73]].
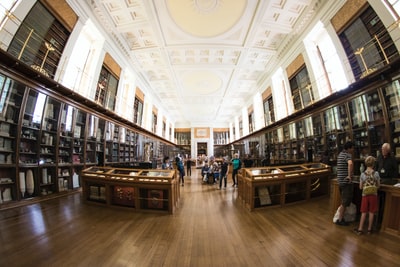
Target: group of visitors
[[213, 171], [380, 169]]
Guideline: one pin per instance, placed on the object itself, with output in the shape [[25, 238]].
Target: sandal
[[357, 232]]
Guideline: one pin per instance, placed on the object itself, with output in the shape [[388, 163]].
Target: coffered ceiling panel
[[202, 59]]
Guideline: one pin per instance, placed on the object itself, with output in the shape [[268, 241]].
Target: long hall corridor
[[209, 228]]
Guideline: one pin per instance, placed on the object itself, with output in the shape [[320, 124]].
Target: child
[[369, 184]]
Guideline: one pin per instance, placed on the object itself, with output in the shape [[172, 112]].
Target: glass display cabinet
[[91, 152], [319, 138], [359, 129], [392, 102], [308, 139], [10, 104], [279, 146], [331, 121], [286, 144], [279, 185], [47, 139], [65, 145], [48, 152], [132, 139], [79, 130], [29, 144], [123, 152], [344, 131], [300, 142], [135, 189], [274, 147], [376, 123], [111, 151]]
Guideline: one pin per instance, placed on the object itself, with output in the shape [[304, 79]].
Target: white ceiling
[[204, 59]]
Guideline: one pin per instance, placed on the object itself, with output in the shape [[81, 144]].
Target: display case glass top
[[282, 172], [112, 173]]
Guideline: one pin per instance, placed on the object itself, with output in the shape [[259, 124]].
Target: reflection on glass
[[357, 111], [110, 131], [280, 134], [343, 118], [331, 119], [309, 127], [292, 131], [93, 125], [299, 129], [4, 92], [39, 105], [66, 119], [122, 135], [317, 124]]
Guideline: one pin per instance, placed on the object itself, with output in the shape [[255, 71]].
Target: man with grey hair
[[386, 165]]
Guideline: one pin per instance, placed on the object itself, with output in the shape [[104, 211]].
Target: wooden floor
[[210, 228]]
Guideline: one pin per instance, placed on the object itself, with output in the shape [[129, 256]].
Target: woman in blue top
[[236, 164], [181, 170]]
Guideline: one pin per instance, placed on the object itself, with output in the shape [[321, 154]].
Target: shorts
[[346, 193], [369, 204]]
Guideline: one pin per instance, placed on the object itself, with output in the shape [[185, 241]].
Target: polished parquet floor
[[210, 228]]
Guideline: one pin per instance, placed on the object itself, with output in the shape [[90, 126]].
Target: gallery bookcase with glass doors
[[366, 113], [48, 138]]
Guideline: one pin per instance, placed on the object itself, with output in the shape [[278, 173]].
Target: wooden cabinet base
[[281, 185], [137, 190], [391, 212]]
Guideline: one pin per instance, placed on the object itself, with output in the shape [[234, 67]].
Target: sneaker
[[341, 223]]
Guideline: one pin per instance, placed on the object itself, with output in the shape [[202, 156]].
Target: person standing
[[236, 165], [204, 172], [181, 170], [215, 172], [369, 184], [224, 172], [386, 165], [345, 179], [325, 159], [248, 162], [189, 166], [166, 164]]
